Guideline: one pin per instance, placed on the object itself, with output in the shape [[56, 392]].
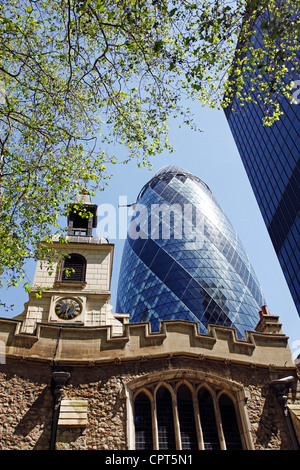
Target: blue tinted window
[[271, 159]]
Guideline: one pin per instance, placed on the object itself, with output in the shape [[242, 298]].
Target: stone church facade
[[76, 376]]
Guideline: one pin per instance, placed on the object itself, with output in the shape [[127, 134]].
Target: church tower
[[75, 289]]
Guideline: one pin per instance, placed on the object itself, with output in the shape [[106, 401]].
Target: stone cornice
[[78, 345]]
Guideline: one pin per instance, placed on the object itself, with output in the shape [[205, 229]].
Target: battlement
[[92, 345]]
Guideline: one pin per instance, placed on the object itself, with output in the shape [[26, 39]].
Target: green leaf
[[158, 46]]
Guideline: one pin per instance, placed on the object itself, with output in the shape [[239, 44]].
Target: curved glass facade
[[183, 259]]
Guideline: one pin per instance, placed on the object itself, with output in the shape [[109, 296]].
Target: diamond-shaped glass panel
[[207, 278]]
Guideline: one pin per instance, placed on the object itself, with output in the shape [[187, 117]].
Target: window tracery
[[186, 415]]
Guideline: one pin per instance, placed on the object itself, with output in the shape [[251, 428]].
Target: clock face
[[67, 309]]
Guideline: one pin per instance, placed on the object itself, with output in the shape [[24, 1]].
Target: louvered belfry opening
[[73, 268]]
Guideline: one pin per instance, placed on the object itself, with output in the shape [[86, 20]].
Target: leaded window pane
[[165, 420], [229, 424], [143, 422], [208, 421], [186, 418]]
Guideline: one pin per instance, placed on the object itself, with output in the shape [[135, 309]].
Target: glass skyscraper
[[183, 260], [271, 159]]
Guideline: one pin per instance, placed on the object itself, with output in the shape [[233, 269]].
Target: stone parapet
[[85, 345]]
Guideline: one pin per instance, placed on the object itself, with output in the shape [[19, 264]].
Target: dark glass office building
[[271, 159], [183, 259]]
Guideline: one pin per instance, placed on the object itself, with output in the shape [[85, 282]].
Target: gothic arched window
[[186, 418], [211, 439], [183, 415], [165, 419], [229, 423], [73, 269], [143, 422]]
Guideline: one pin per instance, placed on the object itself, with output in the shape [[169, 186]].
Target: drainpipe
[[281, 388], [59, 380]]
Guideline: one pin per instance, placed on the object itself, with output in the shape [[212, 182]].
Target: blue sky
[[211, 155]]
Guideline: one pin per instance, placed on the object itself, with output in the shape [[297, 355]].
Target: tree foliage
[[77, 75]]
